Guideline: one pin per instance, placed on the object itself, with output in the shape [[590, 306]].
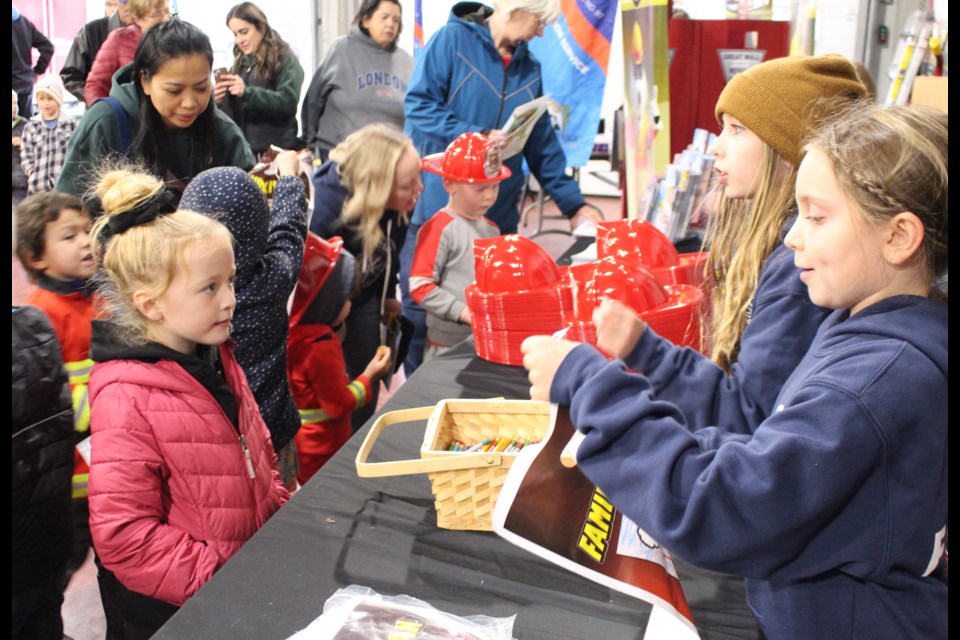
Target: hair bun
[[121, 190]]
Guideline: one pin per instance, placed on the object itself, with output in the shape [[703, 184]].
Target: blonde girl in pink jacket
[[182, 468]]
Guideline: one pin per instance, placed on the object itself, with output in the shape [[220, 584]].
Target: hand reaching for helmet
[[619, 328], [542, 356]]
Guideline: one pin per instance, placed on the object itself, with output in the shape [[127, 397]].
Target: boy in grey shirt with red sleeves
[[443, 259]]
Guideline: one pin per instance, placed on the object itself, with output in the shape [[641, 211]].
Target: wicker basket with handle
[[465, 484]]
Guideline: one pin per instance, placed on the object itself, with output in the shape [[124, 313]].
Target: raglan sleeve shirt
[[426, 274]]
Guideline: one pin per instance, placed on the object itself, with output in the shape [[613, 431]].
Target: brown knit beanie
[[776, 99]]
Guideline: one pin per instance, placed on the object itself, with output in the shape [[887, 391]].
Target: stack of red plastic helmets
[[639, 266], [670, 310], [638, 241], [519, 292]]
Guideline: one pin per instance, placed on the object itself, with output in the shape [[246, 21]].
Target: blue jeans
[[411, 310]]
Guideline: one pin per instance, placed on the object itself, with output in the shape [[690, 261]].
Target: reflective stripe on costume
[[80, 481], [81, 408], [359, 393], [79, 376], [313, 416], [79, 371]]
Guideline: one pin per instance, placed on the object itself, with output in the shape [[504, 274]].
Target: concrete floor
[[82, 610]]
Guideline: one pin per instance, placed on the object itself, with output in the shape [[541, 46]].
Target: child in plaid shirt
[[45, 138]]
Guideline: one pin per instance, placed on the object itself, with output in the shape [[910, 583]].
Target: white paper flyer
[[518, 126]]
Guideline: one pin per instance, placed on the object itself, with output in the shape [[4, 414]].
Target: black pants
[[411, 310], [359, 347], [130, 615], [81, 538], [25, 101], [36, 611]]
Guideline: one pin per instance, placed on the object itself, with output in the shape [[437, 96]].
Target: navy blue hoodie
[[782, 324], [834, 509]]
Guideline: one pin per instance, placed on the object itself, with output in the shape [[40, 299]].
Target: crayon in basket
[[496, 444]]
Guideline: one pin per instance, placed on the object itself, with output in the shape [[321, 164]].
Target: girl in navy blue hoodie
[[835, 508], [762, 321]]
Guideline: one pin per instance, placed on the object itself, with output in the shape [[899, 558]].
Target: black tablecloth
[[692, 242], [341, 529]]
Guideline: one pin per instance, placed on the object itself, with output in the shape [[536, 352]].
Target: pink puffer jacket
[[171, 492]]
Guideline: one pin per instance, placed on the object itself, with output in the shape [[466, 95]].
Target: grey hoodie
[[358, 83]]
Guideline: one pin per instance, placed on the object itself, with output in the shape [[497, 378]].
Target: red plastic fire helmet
[[631, 284], [319, 257], [636, 240], [472, 157], [514, 263]]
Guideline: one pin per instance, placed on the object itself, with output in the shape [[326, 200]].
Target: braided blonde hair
[[894, 159]]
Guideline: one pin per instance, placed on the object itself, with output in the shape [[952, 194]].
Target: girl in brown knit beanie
[[774, 105], [762, 321]]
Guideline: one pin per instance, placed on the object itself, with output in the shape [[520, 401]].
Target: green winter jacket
[[267, 110], [98, 135]]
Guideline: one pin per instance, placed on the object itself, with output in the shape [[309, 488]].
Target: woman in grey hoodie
[[362, 79]]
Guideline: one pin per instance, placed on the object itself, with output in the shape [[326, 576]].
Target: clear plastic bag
[[360, 613]]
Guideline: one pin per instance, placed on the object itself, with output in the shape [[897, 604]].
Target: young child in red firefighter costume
[[324, 393]]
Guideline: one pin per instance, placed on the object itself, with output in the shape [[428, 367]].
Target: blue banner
[[417, 28], [573, 55]]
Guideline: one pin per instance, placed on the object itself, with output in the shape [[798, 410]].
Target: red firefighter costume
[[316, 370], [70, 314]]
